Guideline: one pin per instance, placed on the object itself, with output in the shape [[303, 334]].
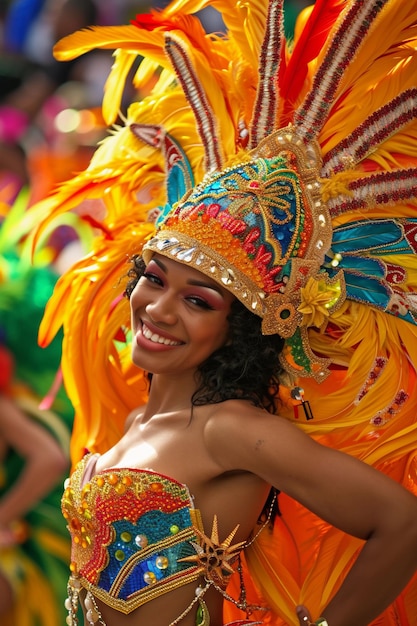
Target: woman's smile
[[149, 334]]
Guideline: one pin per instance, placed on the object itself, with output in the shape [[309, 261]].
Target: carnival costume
[[287, 172]]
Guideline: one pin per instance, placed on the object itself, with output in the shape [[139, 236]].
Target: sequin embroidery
[[130, 530]]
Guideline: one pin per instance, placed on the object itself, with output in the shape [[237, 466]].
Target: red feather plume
[[322, 17]]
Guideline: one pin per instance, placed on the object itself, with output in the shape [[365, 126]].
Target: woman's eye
[[153, 278], [200, 302]]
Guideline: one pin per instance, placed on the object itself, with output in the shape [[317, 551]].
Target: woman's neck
[[170, 393]]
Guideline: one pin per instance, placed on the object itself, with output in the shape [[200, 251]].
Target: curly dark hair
[[246, 367]]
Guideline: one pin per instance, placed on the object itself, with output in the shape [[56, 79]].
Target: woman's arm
[[343, 491], [44, 459], [375, 508]]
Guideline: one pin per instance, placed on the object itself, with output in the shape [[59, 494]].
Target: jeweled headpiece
[[258, 228]]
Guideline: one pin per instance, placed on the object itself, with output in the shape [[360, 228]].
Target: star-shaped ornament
[[213, 557]]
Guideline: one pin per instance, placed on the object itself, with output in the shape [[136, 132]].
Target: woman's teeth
[[157, 338]]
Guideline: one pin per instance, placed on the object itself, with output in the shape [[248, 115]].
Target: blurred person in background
[[35, 423]]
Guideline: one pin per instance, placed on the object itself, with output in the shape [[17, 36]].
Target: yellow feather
[[102, 37], [115, 84], [245, 22], [146, 70]]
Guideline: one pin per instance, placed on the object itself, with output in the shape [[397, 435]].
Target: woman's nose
[[162, 309]]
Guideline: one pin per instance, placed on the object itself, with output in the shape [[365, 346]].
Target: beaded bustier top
[[129, 529]]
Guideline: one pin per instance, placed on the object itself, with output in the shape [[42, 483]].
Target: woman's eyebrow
[[160, 264], [201, 283]]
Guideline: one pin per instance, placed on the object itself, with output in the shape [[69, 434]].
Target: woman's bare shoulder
[[237, 424], [237, 414]]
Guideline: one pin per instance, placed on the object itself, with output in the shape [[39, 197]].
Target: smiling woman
[[270, 224]]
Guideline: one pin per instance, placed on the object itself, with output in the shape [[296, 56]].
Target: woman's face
[[179, 317]]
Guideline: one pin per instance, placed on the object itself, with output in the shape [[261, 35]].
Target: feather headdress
[[337, 110]]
